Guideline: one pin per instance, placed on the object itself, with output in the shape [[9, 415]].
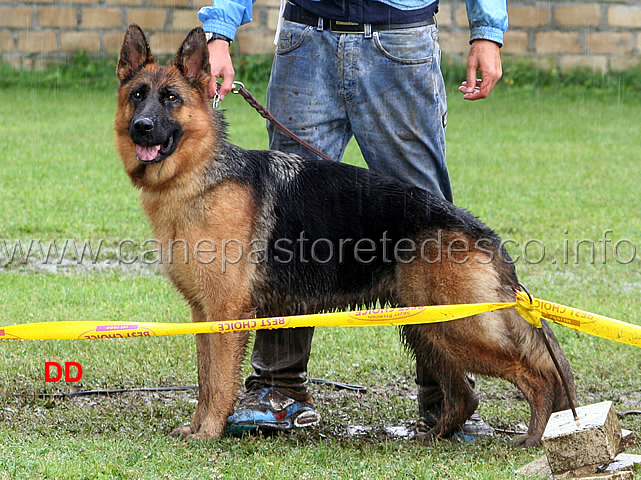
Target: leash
[[109, 392], [523, 292], [238, 88]]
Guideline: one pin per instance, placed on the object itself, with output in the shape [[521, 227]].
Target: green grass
[[552, 165]]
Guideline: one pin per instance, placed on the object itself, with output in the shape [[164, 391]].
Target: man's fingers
[[227, 85], [470, 83], [220, 67], [471, 93], [222, 88], [491, 77], [484, 57], [487, 86], [482, 87]]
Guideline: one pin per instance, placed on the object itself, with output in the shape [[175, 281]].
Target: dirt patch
[[382, 413]]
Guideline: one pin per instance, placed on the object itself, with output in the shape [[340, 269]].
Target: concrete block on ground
[[540, 468], [628, 439], [593, 441], [623, 461], [621, 466], [625, 475]]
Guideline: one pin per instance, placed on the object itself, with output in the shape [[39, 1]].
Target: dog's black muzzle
[[142, 126], [155, 140]]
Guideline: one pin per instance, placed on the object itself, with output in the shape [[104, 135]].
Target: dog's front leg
[[220, 357]]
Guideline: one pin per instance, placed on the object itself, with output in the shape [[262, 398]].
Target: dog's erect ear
[[134, 54], [193, 58]]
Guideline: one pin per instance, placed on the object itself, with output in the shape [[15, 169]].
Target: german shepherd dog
[[335, 237]]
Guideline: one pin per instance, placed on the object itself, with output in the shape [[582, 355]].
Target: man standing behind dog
[[368, 69]]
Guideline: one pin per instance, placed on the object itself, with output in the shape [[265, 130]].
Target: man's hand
[[221, 67], [484, 57]]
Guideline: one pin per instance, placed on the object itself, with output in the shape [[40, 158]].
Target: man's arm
[[488, 23], [223, 17]]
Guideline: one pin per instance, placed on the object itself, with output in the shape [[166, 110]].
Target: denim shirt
[[487, 18]]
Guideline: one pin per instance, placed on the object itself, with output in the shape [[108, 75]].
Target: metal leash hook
[[236, 88], [216, 100]]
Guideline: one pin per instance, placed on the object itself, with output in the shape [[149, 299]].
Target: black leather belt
[[296, 14]]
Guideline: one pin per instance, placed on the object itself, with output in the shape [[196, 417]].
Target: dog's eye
[[139, 92], [171, 97]]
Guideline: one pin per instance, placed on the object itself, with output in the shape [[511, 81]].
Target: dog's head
[[164, 124]]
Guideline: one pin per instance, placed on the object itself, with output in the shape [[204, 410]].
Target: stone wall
[[35, 31], [604, 35]]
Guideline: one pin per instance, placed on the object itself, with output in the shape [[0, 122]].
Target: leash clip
[[236, 87], [216, 100]]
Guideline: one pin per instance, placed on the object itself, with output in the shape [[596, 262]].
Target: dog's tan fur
[[199, 194], [183, 211]]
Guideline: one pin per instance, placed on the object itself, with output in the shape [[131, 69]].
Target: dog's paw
[[207, 430], [181, 432], [426, 438], [200, 436], [424, 431], [526, 441], [186, 433]]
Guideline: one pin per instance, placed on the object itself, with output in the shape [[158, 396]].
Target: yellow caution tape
[[532, 311], [381, 316], [526, 308], [589, 323]]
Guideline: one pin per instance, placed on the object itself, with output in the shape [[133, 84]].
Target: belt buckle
[[338, 26]]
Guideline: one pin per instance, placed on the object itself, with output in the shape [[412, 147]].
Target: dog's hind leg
[[521, 357], [538, 393], [537, 377], [448, 350], [499, 344], [458, 399]]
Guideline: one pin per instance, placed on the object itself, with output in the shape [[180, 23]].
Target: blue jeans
[[383, 88]]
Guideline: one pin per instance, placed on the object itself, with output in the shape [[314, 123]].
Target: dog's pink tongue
[[147, 154]]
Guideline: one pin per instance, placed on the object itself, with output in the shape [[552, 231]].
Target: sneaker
[[476, 428], [268, 409]]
